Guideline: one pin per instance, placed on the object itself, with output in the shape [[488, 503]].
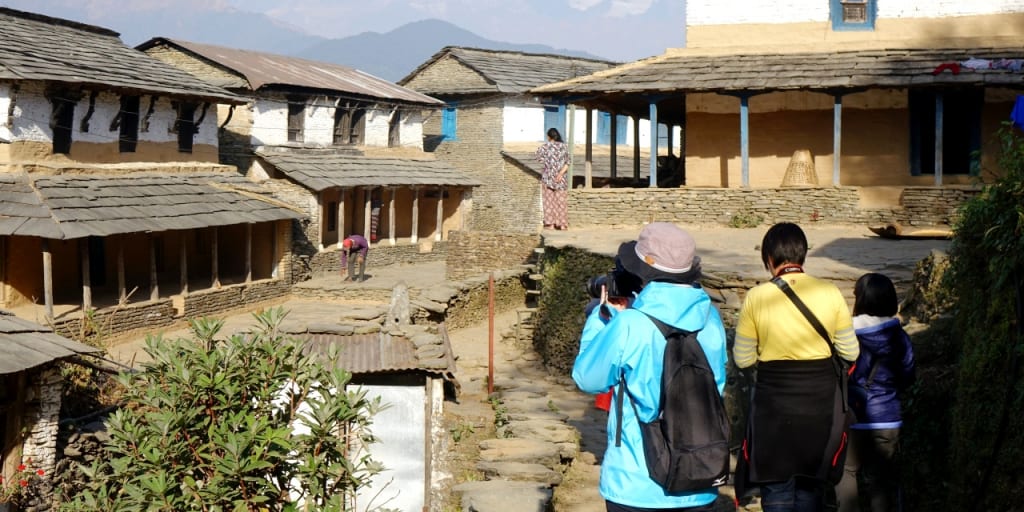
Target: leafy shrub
[[746, 220], [244, 423]]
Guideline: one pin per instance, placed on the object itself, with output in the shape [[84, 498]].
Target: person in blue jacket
[[630, 345], [884, 368]]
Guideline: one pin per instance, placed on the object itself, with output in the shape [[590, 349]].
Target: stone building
[[341, 145], [115, 208], [489, 115]]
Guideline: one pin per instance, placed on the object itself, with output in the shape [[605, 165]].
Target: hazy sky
[[616, 29]]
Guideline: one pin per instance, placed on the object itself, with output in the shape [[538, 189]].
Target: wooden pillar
[[636, 147], [669, 133], [465, 206], [341, 217], [121, 282], [745, 141], [83, 249], [277, 259], [391, 216], [248, 253], [837, 136], [367, 212], [653, 157], [214, 264], [48, 278], [184, 262], [322, 224], [415, 214], [588, 156], [154, 286], [439, 227], [613, 145], [572, 143], [940, 105]]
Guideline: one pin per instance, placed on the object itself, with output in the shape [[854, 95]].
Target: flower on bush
[[19, 486]]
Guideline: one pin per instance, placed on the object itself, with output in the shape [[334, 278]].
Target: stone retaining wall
[[830, 205], [381, 254], [217, 301], [475, 252], [114, 321]]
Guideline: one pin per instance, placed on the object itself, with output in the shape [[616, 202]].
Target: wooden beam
[[83, 249], [48, 278], [248, 253], [214, 264], [588, 155], [183, 261], [415, 214], [940, 107], [367, 212], [653, 157], [613, 144], [572, 143], [439, 227], [391, 216], [636, 147], [745, 141], [154, 285], [322, 218], [837, 136], [122, 288], [669, 128], [341, 216]]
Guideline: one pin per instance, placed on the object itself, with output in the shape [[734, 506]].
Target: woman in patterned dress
[[554, 156]]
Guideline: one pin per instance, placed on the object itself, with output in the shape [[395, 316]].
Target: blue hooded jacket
[[631, 345], [884, 368]]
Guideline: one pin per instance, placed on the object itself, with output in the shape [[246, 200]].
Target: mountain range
[[391, 55]]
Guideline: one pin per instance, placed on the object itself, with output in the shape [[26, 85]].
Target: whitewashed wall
[[377, 126], [522, 123], [724, 12], [410, 131], [32, 110], [270, 124]]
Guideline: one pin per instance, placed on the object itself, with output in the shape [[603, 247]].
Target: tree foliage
[[245, 423], [985, 278]]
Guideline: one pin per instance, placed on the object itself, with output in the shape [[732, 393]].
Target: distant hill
[[395, 54]]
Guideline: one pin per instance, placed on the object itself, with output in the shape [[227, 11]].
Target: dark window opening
[[961, 131], [332, 216], [129, 137], [186, 126], [61, 118], [349, 125], [394, 130], [296, 119]]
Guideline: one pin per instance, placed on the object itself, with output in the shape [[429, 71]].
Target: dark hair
[[784, 243], [875, 295], [554, 135]]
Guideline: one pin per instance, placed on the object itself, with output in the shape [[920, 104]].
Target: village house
[[113, 200], [343, 146], [491, 126], [895, 103]]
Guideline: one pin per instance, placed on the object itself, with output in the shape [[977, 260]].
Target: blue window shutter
[[448, 123], [840, 23], [622, 122], [554, 117], [604, 128]]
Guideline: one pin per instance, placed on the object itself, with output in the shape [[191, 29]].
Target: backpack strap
[[837, 362]]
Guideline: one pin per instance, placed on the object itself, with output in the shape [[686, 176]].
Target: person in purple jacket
[[354, 245], [884, 368]]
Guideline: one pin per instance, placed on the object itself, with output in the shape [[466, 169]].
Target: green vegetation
[[244, 423], [747, 220]]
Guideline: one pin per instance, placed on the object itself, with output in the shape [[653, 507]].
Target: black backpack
[[687, 445]]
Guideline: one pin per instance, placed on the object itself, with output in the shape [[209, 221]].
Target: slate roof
[[318, 171], [76, 206], [382, 353], [680, 70], [36, 47], [25, 345], [267, 69], [510, 71]]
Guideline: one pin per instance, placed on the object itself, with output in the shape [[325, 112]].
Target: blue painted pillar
[[837, 136], [745, 140], [939, 107], [654, 144]]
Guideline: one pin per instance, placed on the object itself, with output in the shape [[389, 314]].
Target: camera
[[618, 282]]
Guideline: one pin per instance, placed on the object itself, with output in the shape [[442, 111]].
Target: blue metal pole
[[939, 107], [745, 140], [654, 144], [837, 136]]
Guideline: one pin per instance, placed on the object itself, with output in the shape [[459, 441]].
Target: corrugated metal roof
[[379, 353], [681, 70], [36, 47], [266, 69], [509, 71], [25, 345], [76, 206], [320, 170]]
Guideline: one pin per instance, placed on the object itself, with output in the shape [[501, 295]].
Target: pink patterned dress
[[554, 156]]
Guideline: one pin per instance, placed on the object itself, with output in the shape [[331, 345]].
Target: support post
[[837, 136], [653, 166], [248, 253], [367, 213], [214, 264], [183, 262], [121, 281], [745, 141], [391, 216], [439, 227], [415, 214], [669, 134], [48, 279], [636, 148], [86, 277], [940, 104], [322, 225], [154, 285], [341, 217], [572, 143], [588, 156], [613, 145]]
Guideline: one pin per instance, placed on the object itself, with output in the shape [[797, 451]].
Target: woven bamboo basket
[[800, 172]]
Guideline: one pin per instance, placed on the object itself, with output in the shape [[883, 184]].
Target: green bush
[[985, 277], [244, 423]]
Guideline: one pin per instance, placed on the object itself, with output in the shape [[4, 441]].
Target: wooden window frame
[[62, 118], [185, 125], [128, 138], [296, 119], [837, 10]]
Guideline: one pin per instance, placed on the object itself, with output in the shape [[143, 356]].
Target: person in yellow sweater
[[789, 450]]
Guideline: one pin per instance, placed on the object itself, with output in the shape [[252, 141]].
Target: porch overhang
[[26, 345]]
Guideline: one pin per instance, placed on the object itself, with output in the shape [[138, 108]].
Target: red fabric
[[952, 66], [603, 401]]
